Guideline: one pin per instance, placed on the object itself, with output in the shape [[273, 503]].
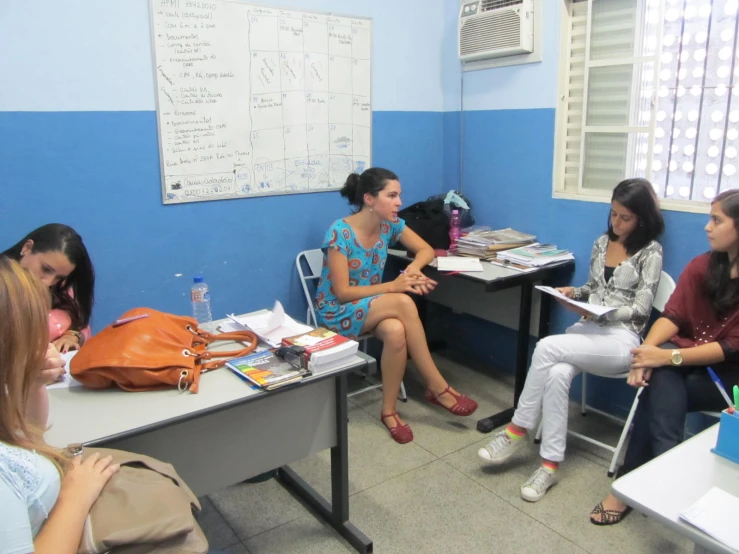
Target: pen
[[736, 396], [125, 320], [719, 386]]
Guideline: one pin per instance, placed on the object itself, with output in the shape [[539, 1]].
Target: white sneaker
[[499, 449], [538, 484]]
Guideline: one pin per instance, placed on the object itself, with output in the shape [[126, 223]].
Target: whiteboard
[[255, 101]]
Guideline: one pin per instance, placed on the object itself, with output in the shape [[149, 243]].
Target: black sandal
[[608, 517]]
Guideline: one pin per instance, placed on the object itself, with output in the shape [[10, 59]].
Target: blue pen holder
[[728, 437]]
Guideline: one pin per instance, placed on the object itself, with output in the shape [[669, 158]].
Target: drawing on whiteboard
[[342, 142], [255, 100]]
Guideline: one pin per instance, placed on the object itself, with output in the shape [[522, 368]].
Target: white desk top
[[80, 415], [490, 272], [674, 481]]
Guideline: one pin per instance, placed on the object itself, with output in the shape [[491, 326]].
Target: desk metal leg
[[522, 359], [336, 513]]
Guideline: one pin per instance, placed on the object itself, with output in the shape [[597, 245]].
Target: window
[[648, 90]]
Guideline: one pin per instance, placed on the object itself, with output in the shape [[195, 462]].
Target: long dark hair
[[56, 237], [722, 290], [371, 182], [637, 196]]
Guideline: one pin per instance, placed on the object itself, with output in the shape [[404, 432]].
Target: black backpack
[[430, 221]]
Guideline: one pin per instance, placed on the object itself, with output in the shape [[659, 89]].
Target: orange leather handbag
[[152, 352]]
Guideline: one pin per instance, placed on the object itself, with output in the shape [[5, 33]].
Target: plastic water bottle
[[454, 229], [200, 296]]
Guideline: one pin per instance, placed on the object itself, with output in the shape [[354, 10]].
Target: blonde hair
[[24, 336]]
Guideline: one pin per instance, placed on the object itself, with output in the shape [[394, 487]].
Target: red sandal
[[463, 407], [400, 433]]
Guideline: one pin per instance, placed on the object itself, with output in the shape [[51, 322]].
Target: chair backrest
[[309, 264], [664, 291]]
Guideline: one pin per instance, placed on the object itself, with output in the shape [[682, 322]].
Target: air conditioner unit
[[495, 28]]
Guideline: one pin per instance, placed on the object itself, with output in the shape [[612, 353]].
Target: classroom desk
[[496, 278], [226, 433], [674, 481]]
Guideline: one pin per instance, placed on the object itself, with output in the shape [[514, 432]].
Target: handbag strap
[[238, 336]]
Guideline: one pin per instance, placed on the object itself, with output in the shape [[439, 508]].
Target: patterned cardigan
[[631, 290]]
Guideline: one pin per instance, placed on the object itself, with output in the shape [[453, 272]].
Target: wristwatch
[[676, 358]]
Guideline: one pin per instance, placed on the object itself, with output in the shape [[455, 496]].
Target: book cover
[[316, 340], [265, 369]]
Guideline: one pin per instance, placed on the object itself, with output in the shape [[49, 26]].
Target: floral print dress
[[365, 268]]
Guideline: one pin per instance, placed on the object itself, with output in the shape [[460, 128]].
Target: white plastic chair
[[664, 291], [310, 264]]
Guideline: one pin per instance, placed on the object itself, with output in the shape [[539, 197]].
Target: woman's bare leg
[[401, 307], [394, 357]]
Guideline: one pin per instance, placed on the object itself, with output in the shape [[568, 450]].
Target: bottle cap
[[197, 279]]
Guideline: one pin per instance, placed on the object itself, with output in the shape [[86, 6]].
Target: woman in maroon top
[[698, 328]]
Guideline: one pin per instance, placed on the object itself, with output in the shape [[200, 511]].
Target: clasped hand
[[412, 280], [643, 360]]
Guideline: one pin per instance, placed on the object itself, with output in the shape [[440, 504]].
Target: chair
[[310, 264], [664, 291]]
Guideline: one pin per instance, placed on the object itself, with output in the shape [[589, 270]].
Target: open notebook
[[716, 515]]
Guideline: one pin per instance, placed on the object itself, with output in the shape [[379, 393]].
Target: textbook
[[323, 346], [266, 370]]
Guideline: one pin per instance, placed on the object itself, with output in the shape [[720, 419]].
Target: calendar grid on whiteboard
[[255, 100]]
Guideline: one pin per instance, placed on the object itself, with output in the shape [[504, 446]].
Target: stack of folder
[[535, 255], [485, 243]]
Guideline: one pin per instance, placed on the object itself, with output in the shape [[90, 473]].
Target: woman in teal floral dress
[[352, 299]]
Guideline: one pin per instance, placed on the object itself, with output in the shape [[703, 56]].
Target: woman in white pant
[[625, 268]]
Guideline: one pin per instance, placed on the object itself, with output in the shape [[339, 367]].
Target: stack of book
[[485, 243], [324, 349], [534, 255], [265, 370]]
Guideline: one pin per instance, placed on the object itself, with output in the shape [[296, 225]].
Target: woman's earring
[[370, 208]]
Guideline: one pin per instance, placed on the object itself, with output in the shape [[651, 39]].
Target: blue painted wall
[[79, 146], [99, 172]]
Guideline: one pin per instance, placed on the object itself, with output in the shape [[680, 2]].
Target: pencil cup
[[728, 437]]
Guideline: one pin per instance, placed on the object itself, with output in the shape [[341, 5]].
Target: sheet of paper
[[715, 514], [231, 326], [591, 308], [458, 263], [272, 326], [66, 380]]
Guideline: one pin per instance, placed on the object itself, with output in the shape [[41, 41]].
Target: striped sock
[[513, 434], [551, 467]]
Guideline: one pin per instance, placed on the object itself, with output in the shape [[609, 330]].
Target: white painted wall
[[95, 55]]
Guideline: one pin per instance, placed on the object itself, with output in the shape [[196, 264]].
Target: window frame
[[559, 189]]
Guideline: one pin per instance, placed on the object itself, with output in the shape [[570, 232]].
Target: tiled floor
[[433, 495]]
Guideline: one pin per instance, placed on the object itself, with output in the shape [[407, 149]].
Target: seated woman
[[44, 499], [56, 255], [351, 298], [625, 269], [699, 328]]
